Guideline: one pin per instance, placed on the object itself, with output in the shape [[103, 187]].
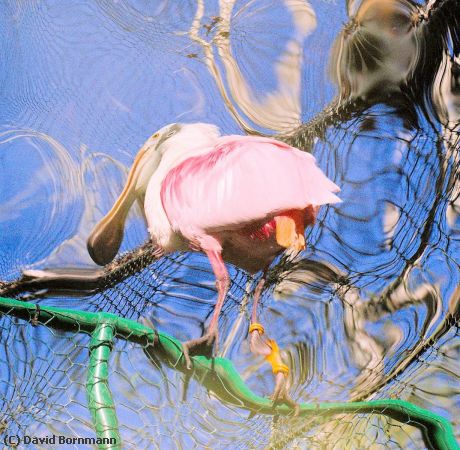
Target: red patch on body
[[302, 218]]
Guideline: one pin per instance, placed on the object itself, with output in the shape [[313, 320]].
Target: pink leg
[[257, 343], [268, 348], [257, 294], [205, 344], [222, 284]]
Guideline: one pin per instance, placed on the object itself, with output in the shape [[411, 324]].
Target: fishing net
[[367, 316]]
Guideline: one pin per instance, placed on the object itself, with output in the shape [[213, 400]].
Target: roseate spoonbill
[[238, 199]]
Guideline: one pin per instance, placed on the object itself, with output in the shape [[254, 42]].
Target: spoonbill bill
[[239, 199]]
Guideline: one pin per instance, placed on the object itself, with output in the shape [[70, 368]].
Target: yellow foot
[[270, 350]]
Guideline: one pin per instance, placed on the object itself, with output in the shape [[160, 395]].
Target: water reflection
[[367, 311], [378, 48]]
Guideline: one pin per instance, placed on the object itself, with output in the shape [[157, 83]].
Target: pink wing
[[243, 179]]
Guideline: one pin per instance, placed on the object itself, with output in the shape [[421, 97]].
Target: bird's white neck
[[185, 146]]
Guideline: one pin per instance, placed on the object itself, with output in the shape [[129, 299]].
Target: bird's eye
[[156, 135]]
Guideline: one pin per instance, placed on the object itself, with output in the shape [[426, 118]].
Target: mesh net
[[369, 311]]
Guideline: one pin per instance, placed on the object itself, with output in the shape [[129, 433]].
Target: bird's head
[[172, 143]]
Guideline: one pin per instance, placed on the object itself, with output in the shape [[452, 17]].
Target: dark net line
[[418, 232]]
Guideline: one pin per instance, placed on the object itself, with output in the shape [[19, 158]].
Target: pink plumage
[[241, 180], [239, 199]]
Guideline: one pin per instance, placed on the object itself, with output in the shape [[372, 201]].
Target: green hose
[[100, 399]]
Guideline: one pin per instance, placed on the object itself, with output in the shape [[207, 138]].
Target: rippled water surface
[[368, 311]]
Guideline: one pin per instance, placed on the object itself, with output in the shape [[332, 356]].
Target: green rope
[[219, 375]]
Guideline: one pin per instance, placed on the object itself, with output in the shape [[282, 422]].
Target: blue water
[[83, 85]]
